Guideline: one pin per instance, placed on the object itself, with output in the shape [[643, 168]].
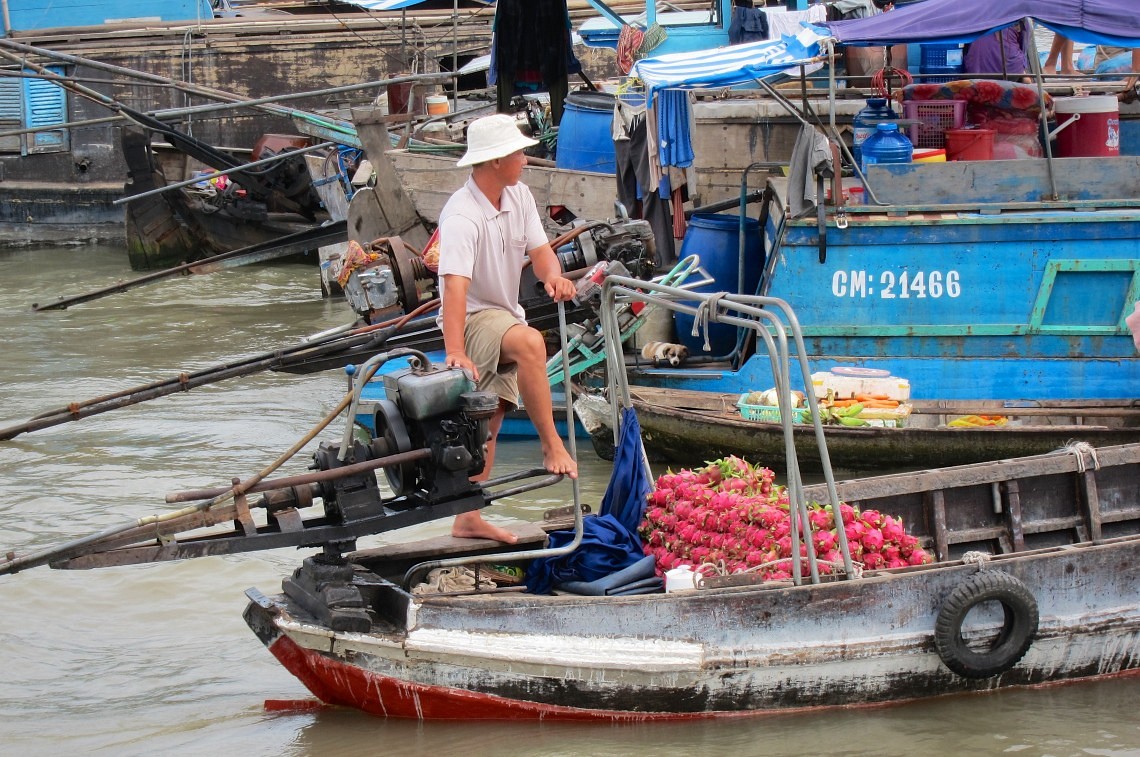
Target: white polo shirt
[[489, 246]]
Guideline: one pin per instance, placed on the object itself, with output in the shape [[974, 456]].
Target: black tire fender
[[1018, 629]]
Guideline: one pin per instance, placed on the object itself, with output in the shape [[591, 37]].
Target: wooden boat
[[974, 279], [1036, 579], [687, 426], [1061, 526], [430, 179]]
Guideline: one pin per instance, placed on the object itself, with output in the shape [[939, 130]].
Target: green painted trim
[[956, 330], [1097, 212], [1049, 279]]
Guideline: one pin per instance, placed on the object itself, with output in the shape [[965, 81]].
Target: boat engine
[[431, 437], [431, 410], [628, 241]]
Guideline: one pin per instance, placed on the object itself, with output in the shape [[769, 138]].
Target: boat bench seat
[[397, 558]]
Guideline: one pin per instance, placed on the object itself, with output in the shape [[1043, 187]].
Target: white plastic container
[[844, 387], [683, 578], [846, 382], [894, 387]]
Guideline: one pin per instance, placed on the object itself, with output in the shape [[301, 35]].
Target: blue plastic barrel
[[585, 134], [715, 237], [886, 145]]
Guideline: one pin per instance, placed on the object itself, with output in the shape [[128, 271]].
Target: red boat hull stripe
[[338, 683]]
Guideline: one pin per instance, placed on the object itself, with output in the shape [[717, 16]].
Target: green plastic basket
[[768, 413]]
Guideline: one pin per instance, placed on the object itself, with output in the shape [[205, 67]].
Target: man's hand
[[460, 360], [560, 288]]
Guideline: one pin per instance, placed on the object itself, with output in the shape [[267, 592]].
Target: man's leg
[[525, 347], [471, 524]]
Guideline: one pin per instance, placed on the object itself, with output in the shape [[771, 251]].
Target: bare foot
[[472, 526], [558, 460]]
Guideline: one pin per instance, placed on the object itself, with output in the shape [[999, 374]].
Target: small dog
[[664, 352]]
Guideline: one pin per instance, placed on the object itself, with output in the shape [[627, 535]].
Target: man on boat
[[488, 228]]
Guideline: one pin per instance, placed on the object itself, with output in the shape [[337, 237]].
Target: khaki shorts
[[483, 336]]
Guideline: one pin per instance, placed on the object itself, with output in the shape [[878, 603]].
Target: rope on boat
[[1080, 450], [978, 559], [706, 314], [719, 568]]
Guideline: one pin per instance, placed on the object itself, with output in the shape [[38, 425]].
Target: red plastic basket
[[933, 118]]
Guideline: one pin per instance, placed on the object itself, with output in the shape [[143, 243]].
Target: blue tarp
[[394, 5], [1103, 22], [630, 482], [607, 547], [610, 542]]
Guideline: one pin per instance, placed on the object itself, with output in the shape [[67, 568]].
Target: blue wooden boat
[[975, 280]]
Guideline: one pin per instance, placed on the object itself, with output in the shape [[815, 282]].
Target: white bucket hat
[[493, 137]]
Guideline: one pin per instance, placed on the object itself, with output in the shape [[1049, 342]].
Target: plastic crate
[[768, 413], [937, 59], [931, 120]]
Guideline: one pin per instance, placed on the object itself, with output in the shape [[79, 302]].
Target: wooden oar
[[374, 336]]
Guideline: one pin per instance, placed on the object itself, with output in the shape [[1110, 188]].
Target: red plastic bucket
[[1087, 127], [969, 144]]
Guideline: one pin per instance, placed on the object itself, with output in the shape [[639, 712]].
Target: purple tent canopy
[[1106, 22]]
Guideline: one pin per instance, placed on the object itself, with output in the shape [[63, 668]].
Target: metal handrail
[[773, 321]]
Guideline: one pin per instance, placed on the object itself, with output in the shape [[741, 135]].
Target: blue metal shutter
[[45, 104], [11, 113]]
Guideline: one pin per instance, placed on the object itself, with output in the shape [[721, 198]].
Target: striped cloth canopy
[[395, 5], [727, 66]]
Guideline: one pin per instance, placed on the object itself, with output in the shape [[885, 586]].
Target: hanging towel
[[810, 155], [674, 134]]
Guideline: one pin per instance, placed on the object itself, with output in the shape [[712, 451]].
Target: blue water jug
[[865, 122], [886, 145]]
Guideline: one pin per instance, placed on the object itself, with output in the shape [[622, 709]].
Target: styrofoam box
[[848, 386]]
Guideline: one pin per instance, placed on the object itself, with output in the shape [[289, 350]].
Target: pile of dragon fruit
[[732, 514]]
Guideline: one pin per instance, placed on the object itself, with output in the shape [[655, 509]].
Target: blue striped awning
[[395, 5], [728, 66]]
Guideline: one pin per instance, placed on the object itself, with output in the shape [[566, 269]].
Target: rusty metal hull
[[758, 649]]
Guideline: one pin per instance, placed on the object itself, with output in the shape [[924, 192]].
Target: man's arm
[[454, 319], [549, 272]]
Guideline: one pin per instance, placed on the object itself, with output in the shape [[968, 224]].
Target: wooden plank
[[974, 475], [1091, 501], [1013, 515], [322, 170], [937, 507], [1001, 181], [530, 535], [396, 208]]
